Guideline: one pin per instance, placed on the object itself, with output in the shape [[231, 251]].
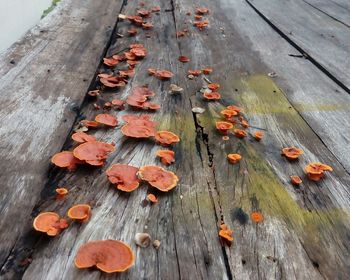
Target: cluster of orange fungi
[[226, 234], [199, 22], [137, 99]]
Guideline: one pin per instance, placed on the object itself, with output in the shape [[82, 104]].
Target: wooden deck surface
[[43, 85]]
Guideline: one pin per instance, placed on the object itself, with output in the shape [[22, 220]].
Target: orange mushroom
[[107, 255], [166, 156], [158, 177], [213, 87], [202, 10], [82, 137], [234, 158], [61, 191], [66, 159], [161, 74], [152, 198], [295, 180], [49, 223], [228, 114], [315, 170], [139, 128], [211, 96], [183, 59], [124, 176], [292, 153], [224, 127], [226, 233], [80, 212], [194, 72], [166, 138], [93, 153], [257, 217], [234, 108], [106, 119], [88, 123], [240, 133], [207, 71], [258, 135]]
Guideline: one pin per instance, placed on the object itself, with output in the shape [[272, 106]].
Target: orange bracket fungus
[[295, 180], [88, 123], [213, 87], [315, 170], [183, 59], [93, 153], [234, 108], [82, 137], [106, 119], [226, 233], [61, 191], [106, 255], [152, 198], [158, 177], [124, 176], [161, 74], [257, 217], [292, 153], [240, 133], [138, 127], [234, 158], [258, 135], [224, 127], [228, 114], [207, 71], [166, 138], [211, 96], [166, 156], [195, 73], [66, 159], [49, 223], [80, 212]]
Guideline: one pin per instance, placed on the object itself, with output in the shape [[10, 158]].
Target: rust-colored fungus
[[163, 74], [234, 108], [166, 138], [49, 223], [228, 114], [158, 177], [106, 119], [258, 135], [243, 122], [226, 233], [201, 24], [292, 153], [110, 61], [112, 81], [80, 212], [138, 97], [183, 59], [147, 25], [66, 159], [124, 176], [209, 96], [224, 127], [93, 153], [166, 156], [213, 87], [240, 133], [257, 217], [315, 170], [295, 180], [152, 198], [61, 191], [194, 72], [82, 137], [234, 158], [207, 71], [88, 123], [107, 255], [132, 32], [118, 103], [202, 10], [138, 126]]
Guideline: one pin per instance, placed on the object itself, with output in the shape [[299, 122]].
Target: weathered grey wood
[[43, 81], [320, 36], [331, 9], [304, 235]]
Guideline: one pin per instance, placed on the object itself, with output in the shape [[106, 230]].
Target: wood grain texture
[[43, 81], [320, 36], [305, 231]]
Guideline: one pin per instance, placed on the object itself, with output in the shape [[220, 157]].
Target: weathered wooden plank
[[183, 220], [321, 37], [331, 9], [44, 79]]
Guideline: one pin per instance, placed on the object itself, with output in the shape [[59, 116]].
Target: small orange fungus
[[106, 119], [82, 137], [224, 127], [257, 217], [240, 133], [80, 212], [124, 176], [295, 180], [166, 138], [66, 159], [61, 191], [234, 158], [211, 96], [292, 153], [166, 156], [49, 223], [158, 177], [152, 198], [258, 135], [93, 153], [226, 233], [315, 170], [106, 255]]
